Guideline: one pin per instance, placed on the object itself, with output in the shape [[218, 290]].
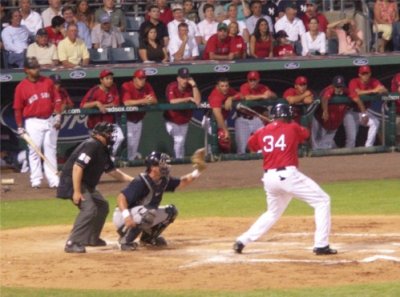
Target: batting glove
[[21, 131]]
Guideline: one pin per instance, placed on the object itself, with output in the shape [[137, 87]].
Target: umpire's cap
[[281, 111], [31, 63]]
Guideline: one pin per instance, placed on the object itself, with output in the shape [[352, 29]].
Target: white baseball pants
[[160, 215], [281, 187], [134, 133], [351, 123], [178, 133], [44, 136], [243, 129], [320, 137]]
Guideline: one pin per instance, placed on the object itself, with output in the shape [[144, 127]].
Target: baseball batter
[[183, 90], [38, 104], [136, 92], [244, 124], [282, 180], [357, 115], [102, 96]]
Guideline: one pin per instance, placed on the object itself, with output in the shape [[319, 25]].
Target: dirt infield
[[200, 256]]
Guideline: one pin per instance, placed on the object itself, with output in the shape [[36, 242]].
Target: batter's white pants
[[281, 187], [320, 137], [351, 123], [134, 133], [44, 136], [178, 133], [243, 129]]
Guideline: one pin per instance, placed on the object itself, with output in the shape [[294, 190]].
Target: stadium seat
[[99, 55], [131, 39], [123, 55], [133, 23]]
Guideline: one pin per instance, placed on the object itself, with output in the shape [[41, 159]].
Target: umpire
[[79, 177]]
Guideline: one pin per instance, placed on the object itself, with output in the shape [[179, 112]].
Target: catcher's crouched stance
[[139, 212]]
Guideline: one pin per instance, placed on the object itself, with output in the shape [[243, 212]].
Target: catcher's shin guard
[[128, 235]]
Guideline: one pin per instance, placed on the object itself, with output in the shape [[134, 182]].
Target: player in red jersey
[[395, 88], [136, 92], [102, 96], [66, 102], [282, 180], [35, 101], [220, 100], [183, 90]]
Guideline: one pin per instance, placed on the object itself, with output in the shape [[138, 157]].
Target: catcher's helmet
[[158, 159], [281, 111], [106, 130]]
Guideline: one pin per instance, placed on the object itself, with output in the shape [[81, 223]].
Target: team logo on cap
[[360, 61], [292, 65], [150, 71], [77, 74], [6, 77], [222, 68]]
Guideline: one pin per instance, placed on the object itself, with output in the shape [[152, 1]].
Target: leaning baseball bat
[[249, 111], [28, 139]]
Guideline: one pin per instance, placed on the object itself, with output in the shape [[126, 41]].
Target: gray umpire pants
[[91, 218]]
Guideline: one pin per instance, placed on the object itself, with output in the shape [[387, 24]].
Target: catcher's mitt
[[199, 159]]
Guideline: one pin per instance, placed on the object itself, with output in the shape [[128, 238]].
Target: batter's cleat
[[238, 247], [157, 242], [73, 247], [326, 250], [128, 247], [99, 242]]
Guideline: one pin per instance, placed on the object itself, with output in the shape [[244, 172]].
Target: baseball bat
[[249, 111], [28, 139]]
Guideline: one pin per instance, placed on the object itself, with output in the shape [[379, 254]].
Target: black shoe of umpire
[[238, 247], [73, 247], [98, 242], [326, 250]]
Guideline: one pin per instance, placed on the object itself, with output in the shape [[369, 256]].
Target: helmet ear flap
[[283, 111]]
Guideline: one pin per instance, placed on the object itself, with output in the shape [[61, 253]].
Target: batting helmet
[[106, 130], [282, 111], [224, 142], [158, 159]]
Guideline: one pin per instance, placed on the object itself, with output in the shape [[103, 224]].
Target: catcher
[[139, 212]]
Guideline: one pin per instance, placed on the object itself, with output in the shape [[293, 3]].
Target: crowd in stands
[[187, 30]]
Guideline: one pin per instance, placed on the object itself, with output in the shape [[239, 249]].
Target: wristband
[[126, 214], [195, 173]]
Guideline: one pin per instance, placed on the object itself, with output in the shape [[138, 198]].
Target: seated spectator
[[385, 15], [177, 11], [30, 19], [312, 12], [283, 47], [3, 23], [42, 50], [232, 13], [299, 5], [183, 47], [238, 46], [219, 11], [165, 12], [188, 11], [72, 51], [66, 102], [153, 13], [49, 13], [84, 14], [105, 35], [219, 45], [313, 42], [256, 9], [242, 12], [15, 40], [261, 42], [118, 18], [55, 32], [150, 48], [208, 26], [350, 38], [83, 30]]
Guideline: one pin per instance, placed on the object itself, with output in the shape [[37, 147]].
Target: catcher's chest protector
[[155, 190]]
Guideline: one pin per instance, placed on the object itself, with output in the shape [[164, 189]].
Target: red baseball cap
[[253, 75], [364, 69], [301, 80], [140, 73], [105, 73]]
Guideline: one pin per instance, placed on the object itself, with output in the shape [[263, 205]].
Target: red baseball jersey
[[54, 38], [356, 83], [278, 143], [98, 94], [258, 90], [129, 92], [65, 98], [38, 99], [216, 46], [182, 116], [283, 50], [238, 45], [263, 48], [336, 112], [395, 88], [217, 99], [296, 108]]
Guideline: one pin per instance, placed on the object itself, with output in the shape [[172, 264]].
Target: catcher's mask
[[281, 111], [106, 130], [161, 160]]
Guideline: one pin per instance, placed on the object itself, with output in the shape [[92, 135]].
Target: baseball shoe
[[238, 247], [73, 247], [326, 250], [98, 242], [158, 242], [128, 247]]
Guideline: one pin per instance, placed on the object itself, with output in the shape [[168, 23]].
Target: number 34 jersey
[[278, 142]]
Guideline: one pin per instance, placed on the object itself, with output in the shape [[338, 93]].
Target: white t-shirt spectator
[[105, 39], [48, 14], [33, 22], [15, 39], [311, 46], [293, 29], [173, 28], [191, 48], [207, 29]]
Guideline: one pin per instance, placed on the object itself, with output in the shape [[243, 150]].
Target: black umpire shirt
[[94, 157]]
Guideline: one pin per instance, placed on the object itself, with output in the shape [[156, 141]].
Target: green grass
[[370, 290], [381, 197]]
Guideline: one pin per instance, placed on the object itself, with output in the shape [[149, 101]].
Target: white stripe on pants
[[134, 132], [178, 133]]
